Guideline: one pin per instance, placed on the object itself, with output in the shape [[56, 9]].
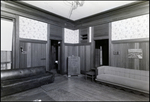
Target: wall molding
[[79, 44], [32, 40], [130, 40], [22, 9], [101, 38], [123, 12]]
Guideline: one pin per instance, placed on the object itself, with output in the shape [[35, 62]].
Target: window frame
[[13, 39]]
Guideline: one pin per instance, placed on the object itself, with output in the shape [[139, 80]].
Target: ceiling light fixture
[[74, 5]]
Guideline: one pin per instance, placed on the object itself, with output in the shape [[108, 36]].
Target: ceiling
[[89, 8]]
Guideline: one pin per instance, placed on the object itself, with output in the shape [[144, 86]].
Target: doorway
[[55, 56], [101, 52]]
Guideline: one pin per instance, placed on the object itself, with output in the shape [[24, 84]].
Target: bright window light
[[6, 35], [90, 33]]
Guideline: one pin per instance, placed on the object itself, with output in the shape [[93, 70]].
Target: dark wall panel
[[23, 55], [88, 57], [55, 32], [34, 54], [101, 30], [84, 52]]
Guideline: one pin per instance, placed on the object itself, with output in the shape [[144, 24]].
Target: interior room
[[75, 50]]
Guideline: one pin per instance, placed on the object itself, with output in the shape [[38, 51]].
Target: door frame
[[95, 46], [59, 55]]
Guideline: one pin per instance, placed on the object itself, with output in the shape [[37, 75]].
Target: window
[[6, 43]]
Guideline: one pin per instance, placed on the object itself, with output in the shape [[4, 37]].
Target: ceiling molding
[[114, 11], [20, 9], [129, 10], [42, 10]]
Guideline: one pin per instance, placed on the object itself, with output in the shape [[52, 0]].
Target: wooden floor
[[75, 88]]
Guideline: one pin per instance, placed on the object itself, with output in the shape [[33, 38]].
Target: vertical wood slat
[[92, 48], [23, 55], [29, 61], [84, 52], [147, 56], [17, 47], [82, 58], [44, 54], [47, 56], [87, 57], [63, 59]]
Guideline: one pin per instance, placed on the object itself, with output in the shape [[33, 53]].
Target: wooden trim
[[17, 47], [123, 12], [68, 44], [130, 40], [13, 45], [92, 48], [32, 40], [62, 67], [127, 11], [110, 44], [48, 49], [102, 37], [55, 38], [13, 19], [7, 15], [79, 44], [21, 9]]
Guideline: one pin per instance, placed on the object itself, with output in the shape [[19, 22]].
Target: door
[[55, 55], [101, 52]]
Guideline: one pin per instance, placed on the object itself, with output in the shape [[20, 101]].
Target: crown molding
[[123, 12]]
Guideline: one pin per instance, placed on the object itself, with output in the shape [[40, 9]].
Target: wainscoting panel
[[121, 59], [34, 54], [38, 52], [84, 52]]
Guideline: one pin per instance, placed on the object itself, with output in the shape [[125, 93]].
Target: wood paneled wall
[[84, 31], [34, 55], [55, 32], [84, 52], [122, 59], [101, 31]]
